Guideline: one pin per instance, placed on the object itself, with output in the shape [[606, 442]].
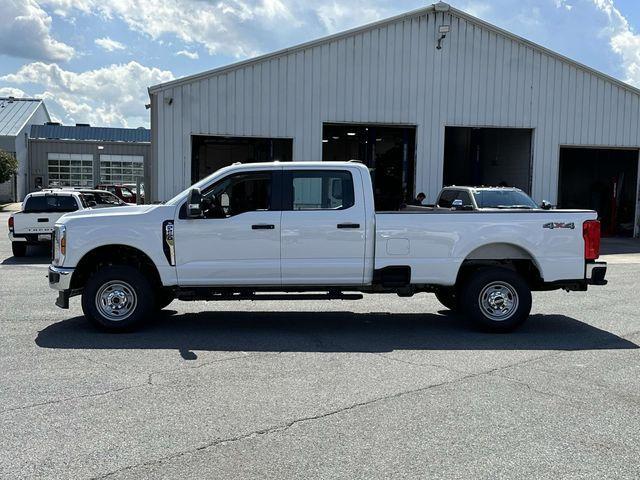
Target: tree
[[8, 166]]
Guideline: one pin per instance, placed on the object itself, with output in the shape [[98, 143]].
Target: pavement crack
[[285, 426], [418, 364], [68, 399]]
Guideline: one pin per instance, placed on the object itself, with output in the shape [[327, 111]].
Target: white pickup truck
[[41, 210], [249, 230]]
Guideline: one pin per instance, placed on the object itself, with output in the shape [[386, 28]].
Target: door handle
[[348, 225], [263, 226]]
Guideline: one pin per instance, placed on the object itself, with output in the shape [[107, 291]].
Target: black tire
[[449, 298], [19, 249], [497, 290], [135, 295], [164, 298]]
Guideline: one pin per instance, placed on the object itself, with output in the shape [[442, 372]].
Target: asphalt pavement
[[384, 387]]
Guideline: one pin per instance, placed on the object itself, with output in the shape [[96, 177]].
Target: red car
[[123, 193]]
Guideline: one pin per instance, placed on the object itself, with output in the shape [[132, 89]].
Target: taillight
[[591, 234], [11, 224]]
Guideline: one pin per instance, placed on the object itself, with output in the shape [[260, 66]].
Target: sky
[[92, 60]]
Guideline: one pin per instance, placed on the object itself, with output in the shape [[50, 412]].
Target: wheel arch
[[505, 255], [114, 254]]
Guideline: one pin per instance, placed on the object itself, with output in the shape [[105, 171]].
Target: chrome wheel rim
[[498, 301], [116, 300]]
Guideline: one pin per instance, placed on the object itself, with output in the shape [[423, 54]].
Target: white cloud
[[25, 32], [238, 28], [339, 16], [109, 96], [188, 54], [12, 92], [108, 44], [623, 40]]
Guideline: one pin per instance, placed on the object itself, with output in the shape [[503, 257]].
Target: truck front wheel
[[117, 298], [19, 249], [496, 299]]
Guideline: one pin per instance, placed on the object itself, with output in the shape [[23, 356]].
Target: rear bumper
[[595, 273], [30, 238]]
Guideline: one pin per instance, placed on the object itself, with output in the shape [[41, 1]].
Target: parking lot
[[386, 387]]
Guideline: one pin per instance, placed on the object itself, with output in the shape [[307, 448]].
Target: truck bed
[[434, 242]]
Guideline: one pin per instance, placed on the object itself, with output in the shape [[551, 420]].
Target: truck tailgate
[[35, 223]]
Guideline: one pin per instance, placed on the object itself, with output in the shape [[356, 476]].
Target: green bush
[[8, 166]]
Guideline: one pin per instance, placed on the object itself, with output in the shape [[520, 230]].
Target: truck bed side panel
[[434, 245]]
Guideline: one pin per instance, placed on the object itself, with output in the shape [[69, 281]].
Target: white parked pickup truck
[[41, 210], [249, 230]]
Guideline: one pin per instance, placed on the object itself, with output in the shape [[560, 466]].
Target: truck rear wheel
[[496, 299], [19, 249], [448, 297], [117, 298]]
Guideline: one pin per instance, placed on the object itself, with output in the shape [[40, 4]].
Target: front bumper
[[595, 273], [60, 279]]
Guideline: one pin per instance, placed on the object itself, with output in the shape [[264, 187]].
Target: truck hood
[[108, 212]]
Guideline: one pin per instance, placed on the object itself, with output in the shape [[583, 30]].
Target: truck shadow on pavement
[[329, 332], [36, 255]]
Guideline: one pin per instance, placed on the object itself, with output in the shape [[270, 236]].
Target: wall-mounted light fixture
[[443, 30]]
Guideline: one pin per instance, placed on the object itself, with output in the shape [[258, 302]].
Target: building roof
[[15, 112], [88, 133], [439, 7]]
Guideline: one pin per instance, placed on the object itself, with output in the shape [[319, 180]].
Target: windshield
[[503, 199], [101, 199]]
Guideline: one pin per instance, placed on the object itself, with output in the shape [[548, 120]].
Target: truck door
[[323, 227], [237, 242]]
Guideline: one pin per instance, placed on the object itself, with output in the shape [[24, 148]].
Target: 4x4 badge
[[553, 225]]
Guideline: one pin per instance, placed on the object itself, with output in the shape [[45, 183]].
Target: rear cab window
[[448, 196], [50, 204]]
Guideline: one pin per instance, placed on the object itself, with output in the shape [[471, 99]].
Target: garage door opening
[[604, 180], [389, 152], [487, 156], [211, 153]]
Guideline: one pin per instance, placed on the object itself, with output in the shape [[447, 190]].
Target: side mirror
[[545, 205], [194, 203], [458, 204]]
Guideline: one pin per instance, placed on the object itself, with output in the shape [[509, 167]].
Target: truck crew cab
[[251, 229]]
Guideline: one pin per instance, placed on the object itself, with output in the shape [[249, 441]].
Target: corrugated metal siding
[[393, 74], [104, 134]]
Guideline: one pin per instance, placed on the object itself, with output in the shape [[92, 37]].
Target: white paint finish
[[315, 251], [227, 251], [440, 242], [139, 227]]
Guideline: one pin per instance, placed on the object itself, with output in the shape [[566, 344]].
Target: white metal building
[[16, 117], [428, 98]]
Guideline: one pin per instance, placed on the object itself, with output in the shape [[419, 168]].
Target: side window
[[320, 190], [446, 198], [236, 194], [466, 198]]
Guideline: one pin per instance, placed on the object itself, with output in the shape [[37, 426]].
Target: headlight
[[59, 244]]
